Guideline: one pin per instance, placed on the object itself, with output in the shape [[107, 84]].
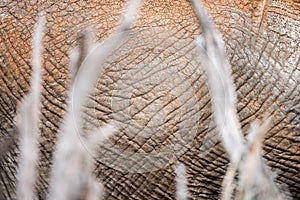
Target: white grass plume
[[72, 168], [181, 182], [228, 184], [244, 156], [28, 122], [221, 85]]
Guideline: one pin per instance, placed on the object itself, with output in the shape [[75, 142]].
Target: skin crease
[[263, 47]]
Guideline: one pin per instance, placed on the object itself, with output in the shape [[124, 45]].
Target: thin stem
[[221, 86], [28, 122], [181, 182], [72, 168]]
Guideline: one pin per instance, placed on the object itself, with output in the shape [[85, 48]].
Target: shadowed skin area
[[157, 71]]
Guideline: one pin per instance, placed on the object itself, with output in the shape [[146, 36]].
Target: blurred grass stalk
[[28, 122], [181, 182], [72, 168], [255, 181]]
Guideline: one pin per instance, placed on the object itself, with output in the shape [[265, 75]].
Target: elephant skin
[[154, 89]]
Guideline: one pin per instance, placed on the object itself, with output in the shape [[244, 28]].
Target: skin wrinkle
[[176, 17], [19, 83]]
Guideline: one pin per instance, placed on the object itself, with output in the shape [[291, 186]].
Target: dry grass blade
[[228, 184], [181, 182], [256, 181], [221, 86], [28, 122], [71, 172], [72, 168]]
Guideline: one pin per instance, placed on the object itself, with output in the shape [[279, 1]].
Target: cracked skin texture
[[263, 47]]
